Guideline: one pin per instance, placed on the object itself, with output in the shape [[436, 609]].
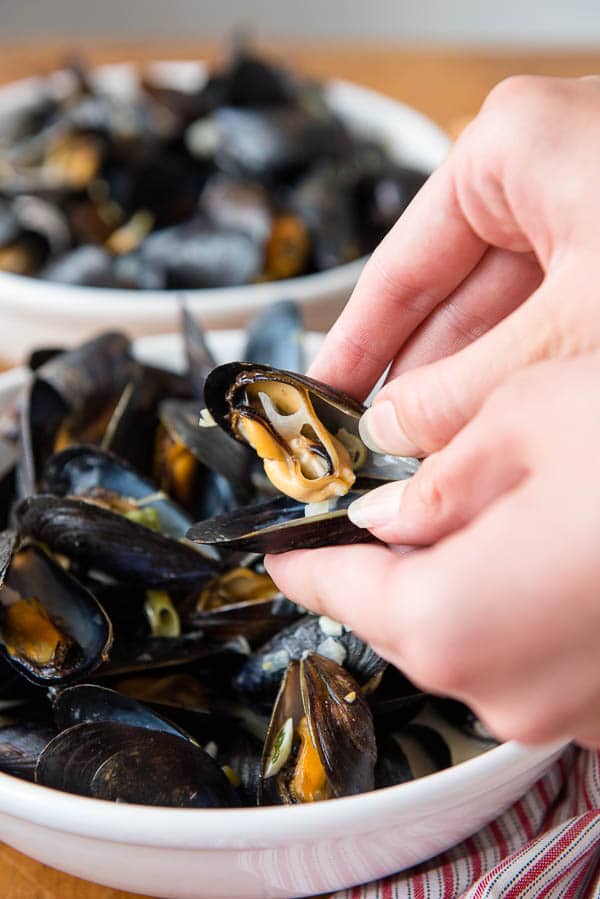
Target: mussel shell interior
[[31, 573], [78, 470]]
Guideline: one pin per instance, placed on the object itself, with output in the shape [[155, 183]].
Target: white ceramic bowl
[[267, 852], [35, 311]]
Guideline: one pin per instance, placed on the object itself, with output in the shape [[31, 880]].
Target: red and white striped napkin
[[546, 845]]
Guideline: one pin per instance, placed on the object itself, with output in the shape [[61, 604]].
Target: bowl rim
[[25, 288], [271, 825], [249, 828]]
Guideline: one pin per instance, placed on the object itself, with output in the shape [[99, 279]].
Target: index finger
[[425, 256]]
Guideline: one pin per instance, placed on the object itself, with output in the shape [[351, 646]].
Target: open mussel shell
[[136, 656], [408, 752], [92, 473], [202, 466], [260, 675], [276, 337], [235, 396], [21, 743], [132, 426], [321, 741], [71, 399], [110, 760], [281, 525], [88, 703], [107, 542], [51, 629], [241, 602]]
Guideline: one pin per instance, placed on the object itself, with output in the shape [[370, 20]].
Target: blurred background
[[537, 22]]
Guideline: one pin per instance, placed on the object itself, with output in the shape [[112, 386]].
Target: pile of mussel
[[145, 654], [249, 177]]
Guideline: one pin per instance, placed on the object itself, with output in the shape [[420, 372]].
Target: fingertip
[[381, 431]]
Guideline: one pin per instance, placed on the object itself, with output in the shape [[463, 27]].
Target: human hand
[[503, 611], [491, 267]]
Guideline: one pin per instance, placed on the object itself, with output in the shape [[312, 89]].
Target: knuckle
[[427, 487], [515, 90]]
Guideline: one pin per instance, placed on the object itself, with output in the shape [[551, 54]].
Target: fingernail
[[380, 430], [378, 507]]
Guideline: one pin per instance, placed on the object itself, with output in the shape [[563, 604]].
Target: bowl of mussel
[[170, 723], [238, 184]]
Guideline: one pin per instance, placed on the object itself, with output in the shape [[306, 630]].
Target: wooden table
[[446, 83]]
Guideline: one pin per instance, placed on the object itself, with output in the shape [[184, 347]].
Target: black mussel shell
[[339, 725], [199, 358], [252, 81], [216, 450], [281, 525], [152, 653], [225, 389], [324, 202], [132, 426], [241, 602], [89, 471], [265, 144], [108, 542], [87, 703], [341, 720], [82, 385], [462, 717], [241, 753], [196, 254], [67, 615], [109, 760], [425, 748], [275, 337], [396, 700], [237, 205], [88, 265], [260, 675], [21, 743], [392, 766], [9, 455], [382, 195]]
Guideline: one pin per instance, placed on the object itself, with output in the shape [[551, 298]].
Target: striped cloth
[[546, 845]]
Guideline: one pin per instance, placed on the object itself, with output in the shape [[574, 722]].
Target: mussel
[[88, 703], [321, 742], [260, 675], [108, 542], [110, 760], [242, 602], [305, 432], [51, 629], [282, 524], [22, 739]]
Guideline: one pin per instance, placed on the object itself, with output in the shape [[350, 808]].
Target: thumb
[[419, 411]]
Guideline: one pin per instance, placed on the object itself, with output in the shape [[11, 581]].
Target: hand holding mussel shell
[[307, 435]]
